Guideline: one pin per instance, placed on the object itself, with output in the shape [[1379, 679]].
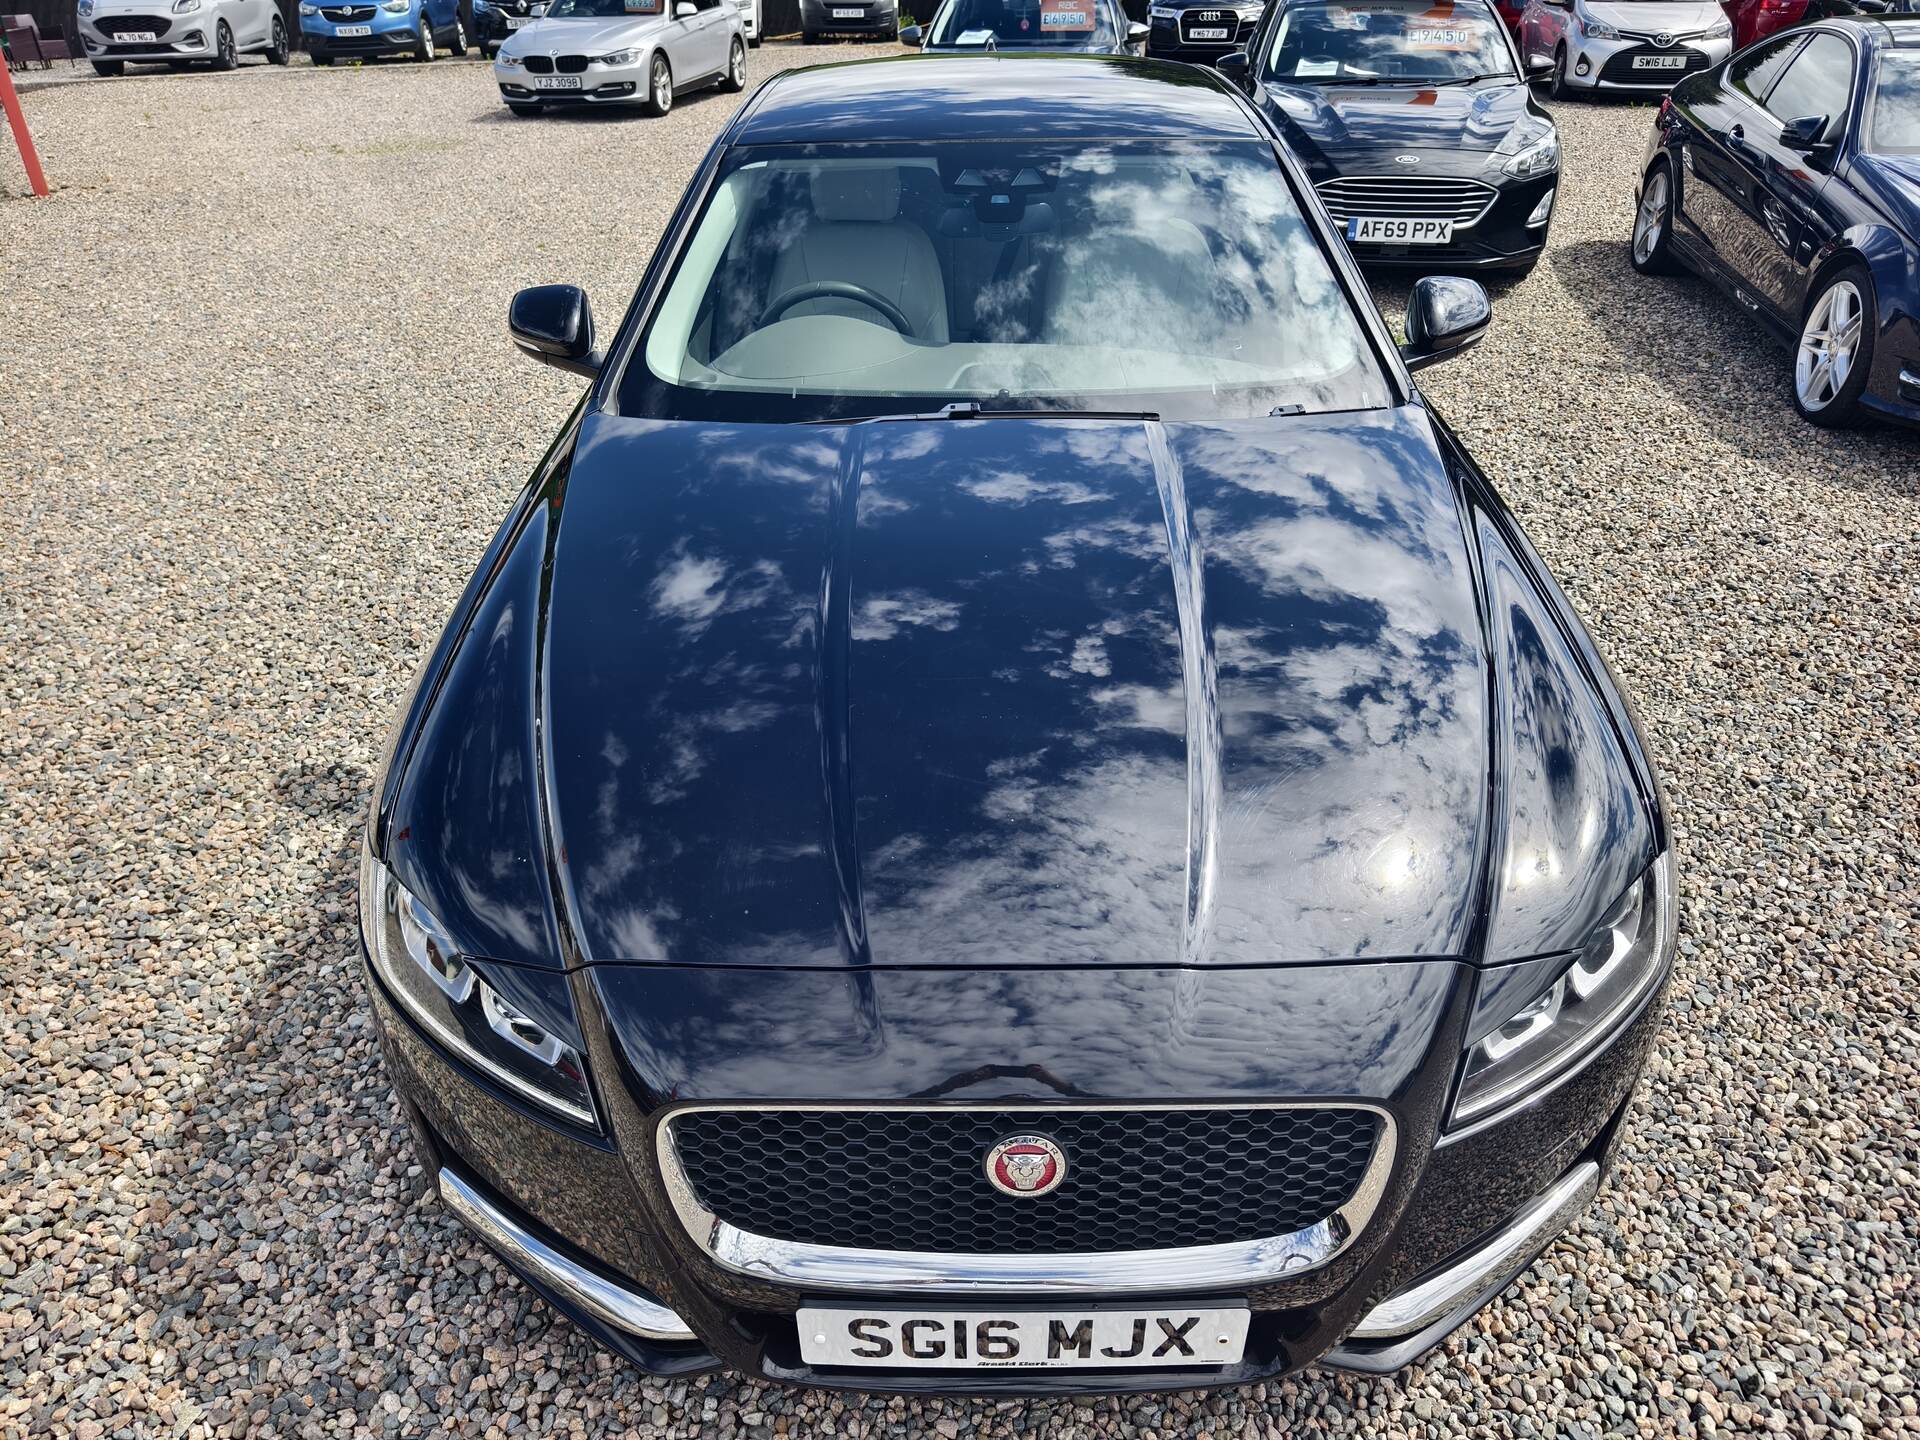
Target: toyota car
[[1008, 810], [1622, 46], [1415, 123]]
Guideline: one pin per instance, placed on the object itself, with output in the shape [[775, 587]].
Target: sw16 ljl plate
[[1153, 1338]]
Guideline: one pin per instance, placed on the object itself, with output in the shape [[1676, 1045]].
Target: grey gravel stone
[[258, 419]]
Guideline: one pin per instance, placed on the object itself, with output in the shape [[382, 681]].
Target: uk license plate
[[1023, 1339], [556, 82], [350, 31], [849, 14], [1659, 62], [1380, 230], [1209, 32], [136, 37], [514, 22]]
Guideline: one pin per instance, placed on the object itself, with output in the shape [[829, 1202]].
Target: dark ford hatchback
[[1008, 811]]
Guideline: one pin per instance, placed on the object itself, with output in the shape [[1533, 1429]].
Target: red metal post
[[10, 100]]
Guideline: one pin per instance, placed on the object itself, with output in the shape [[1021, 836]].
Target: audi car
[[1415, 122], [621, 53], [1088, 27], [1622, 46], [1198, 32], [1790, 177], [1008, 810]]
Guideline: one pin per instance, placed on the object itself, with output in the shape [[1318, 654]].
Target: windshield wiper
[[1468, 79], [973, 410]]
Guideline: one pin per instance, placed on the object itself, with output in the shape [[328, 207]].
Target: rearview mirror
[[1445, 315], [554, 324], [1236, 66], [1804, 133], [912, 35]]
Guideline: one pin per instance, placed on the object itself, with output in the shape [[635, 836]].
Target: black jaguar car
[[1415, 123], [1085, 27], [1008, 810], [1790, 177]]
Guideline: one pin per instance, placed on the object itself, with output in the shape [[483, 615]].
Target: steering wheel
[[835, 290]]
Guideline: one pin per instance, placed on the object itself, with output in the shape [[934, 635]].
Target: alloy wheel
[[425, 51], [737, 65], [662, 82], [226, 57], [1829, 343], [1650, 220]]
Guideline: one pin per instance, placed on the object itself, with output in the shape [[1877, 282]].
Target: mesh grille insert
[[915, 1179]]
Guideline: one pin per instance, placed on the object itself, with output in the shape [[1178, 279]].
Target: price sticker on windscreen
[[642, 7], [1065, 17], [1442, 37]]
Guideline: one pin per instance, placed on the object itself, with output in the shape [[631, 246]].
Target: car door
[[1543, 24], [1715, 187], [1788, 196]]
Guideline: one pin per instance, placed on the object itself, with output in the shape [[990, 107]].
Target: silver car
[[180, 32], [622, 52], [1630, 46]]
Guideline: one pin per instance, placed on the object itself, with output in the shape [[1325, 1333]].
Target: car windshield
[[1022, 24], [1391, 42], [1893, 122], [602, 9], [824, 281]]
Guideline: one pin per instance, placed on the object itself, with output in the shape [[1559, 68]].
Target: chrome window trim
[[1187, 1268]]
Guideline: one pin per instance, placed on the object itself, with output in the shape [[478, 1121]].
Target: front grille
[[118, 25], [1210, 20], [1403, 197], [1619, 69], [347, 14], [570, 64], [914, 1180]]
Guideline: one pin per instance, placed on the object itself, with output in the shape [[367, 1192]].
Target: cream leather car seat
[[856, 234]]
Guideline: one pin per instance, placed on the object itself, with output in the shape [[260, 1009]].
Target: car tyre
[[736, 77], [1557, 87], [109, 67], [424, 51], [809, 37], [279, 52], [1834, 355], [459, 43], [1651, 248], [659, 85], [225, 57]]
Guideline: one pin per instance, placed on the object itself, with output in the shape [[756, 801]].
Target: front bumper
[[589, 1225], [1501, 239], [390, 35], [1168, 39], [1610, 65], [599, 85], [876, 17], [176, 37]]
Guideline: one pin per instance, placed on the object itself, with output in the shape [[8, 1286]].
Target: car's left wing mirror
[[1539, 71], [685, 10], [1445, 315], [1237, 67], [912, 35], [1136, 33], [554, 324], [1803, 134]]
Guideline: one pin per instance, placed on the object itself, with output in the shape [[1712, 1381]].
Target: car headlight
[[1597, 29], [442, 990], [1542, 157], [512, 62], [309, 9], [620, 57], [85, 8], [1718, 31], [1622, 962], [1162, 12], [185, 7], [396, 7]]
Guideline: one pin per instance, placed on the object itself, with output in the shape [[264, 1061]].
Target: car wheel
[[1652, 249], [1834, 355], [659, 85], [736, 80], [109, 67], [1557, 87], [423, 52], [279, 52], [224, 55], [809, 37], [459, 45]]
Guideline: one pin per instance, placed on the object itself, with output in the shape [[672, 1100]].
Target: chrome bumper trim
[[1187, 1268], [1502, 1257], [598, 1296]]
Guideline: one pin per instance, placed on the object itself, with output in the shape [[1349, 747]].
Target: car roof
[[1900, 30], [994, 97]]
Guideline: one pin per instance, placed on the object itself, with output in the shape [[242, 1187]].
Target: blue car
[[364, 29]]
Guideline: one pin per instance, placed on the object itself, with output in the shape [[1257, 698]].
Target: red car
[[1756, 19]]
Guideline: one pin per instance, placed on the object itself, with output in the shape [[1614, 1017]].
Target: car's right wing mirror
[[912, 35], [685, 10], [554, 324], [1445, 315], [1136, 33], [1236, 66]]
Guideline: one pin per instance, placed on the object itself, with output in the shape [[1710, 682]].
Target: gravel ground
[[259, 419]]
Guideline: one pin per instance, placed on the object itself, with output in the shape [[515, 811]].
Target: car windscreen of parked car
[[826, 281], [1893, 122], [1397, 41], [1019, 24]]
